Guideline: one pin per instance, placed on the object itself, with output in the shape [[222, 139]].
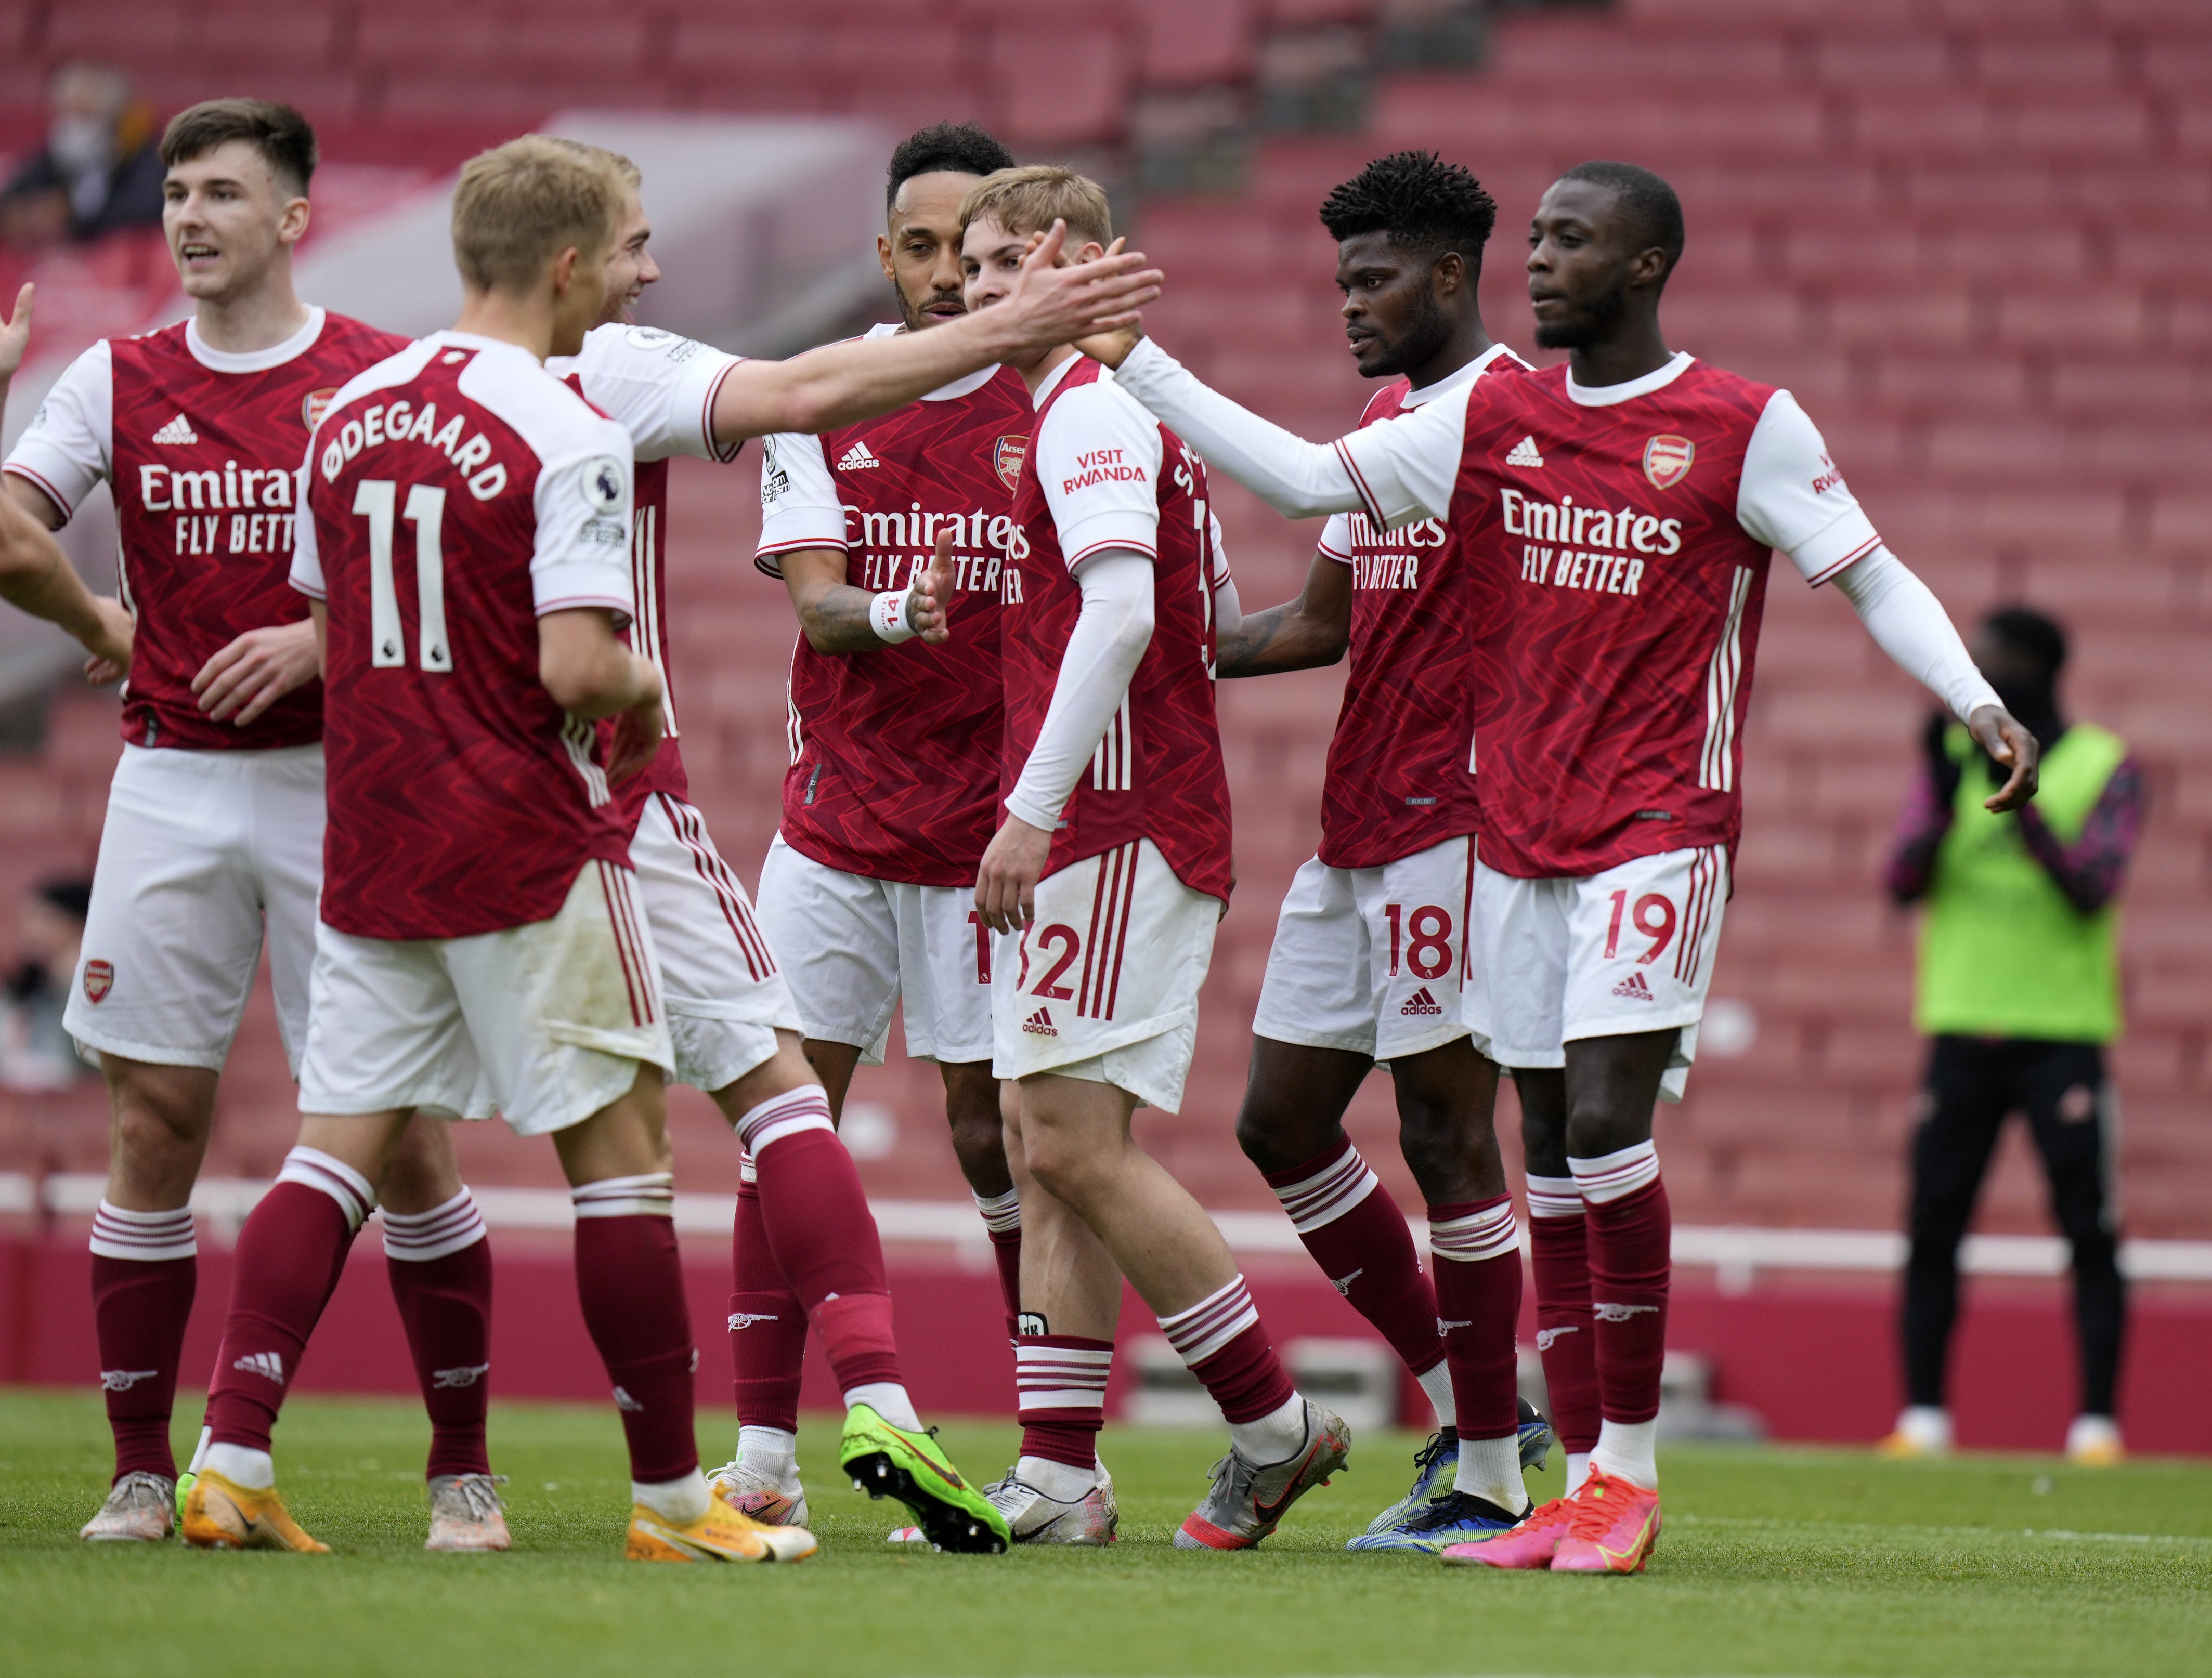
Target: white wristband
[[887, 616]]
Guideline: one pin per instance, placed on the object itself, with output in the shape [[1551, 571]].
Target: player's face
[[229, 221], [921, 250], [630, 267], [583, 297], [1392, 319], [991, 257], [1582, 259]]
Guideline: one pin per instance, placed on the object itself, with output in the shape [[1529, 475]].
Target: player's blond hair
[[613, 160], [1030, 199], [520, 205]]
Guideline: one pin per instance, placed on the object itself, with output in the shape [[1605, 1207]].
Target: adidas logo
[[122, 1380], [178, 430], [463, 1375], [1421, 1003], [1548, 1338], [1524, 454], [858, 459], [1634, 989], [267, 1365], [746, 1319], [625, 1403], [1608, 1312], [1039, 1024]]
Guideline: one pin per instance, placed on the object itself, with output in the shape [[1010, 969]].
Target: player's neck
[[259, 319], [1636, 349], [1045, 365], [527, 321], [1466, 343]]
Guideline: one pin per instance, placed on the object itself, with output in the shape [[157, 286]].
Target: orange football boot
[[1615, 1525], [221, 1515], [1532, 1544]]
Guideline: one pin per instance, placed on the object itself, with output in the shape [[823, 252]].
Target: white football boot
[[771, 1502], [140, 1509], [466, 1514]]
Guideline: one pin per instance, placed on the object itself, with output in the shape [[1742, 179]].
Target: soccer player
[[1106, 881], [1373, 937], [480, 919], [214, 836], [1620, 512], [867, 895]]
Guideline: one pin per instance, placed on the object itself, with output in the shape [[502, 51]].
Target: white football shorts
[[726, 998], [204, 854], [1103, 983], [853, 948], [1371, 960], [549, 1019], [1611, 954]]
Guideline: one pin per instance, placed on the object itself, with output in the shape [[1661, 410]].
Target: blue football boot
[[1452, 1518]]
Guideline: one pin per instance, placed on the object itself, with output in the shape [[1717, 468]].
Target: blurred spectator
[[100, 169], [35, 1052], [2019, 987]]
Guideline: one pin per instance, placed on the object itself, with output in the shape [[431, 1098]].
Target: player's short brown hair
[[1030, 199], [278, 133], [520, 205]]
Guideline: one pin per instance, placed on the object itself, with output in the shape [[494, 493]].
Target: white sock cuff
[[1002, 1213], [311, 1168], [682, 1500], [1330, 1192], [1060, 1377], [747, 1169], [420, 1236], [1490, 1232], [1610, 1176], [650, 1195], [807, 1108], [1198, 1333], [1554, 1197], [117, 1232]]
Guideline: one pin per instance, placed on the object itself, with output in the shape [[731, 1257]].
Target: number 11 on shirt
[[375, 500]]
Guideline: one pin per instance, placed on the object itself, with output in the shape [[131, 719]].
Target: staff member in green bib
[[2019, 988]]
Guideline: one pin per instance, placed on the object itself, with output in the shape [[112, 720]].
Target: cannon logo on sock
[[122, 1380], [465, 1375], [1606, 1311]]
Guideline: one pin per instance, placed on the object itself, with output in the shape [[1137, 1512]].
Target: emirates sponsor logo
[[1006, 457], [99, 980], [1548, 1338], [1634, 989], [625, 1403], [1607, 1311], [1524, 454], [746, 1319], [462, 1375], [1667, 459], [122, 1380], [858, 459], [267, 1365], [1039, 1024], [315, 404], [178, 431], [1421, 1002]]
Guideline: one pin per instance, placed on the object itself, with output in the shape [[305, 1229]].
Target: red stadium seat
[[411, 42], [2047, 64], [253, 35], [1195, 43], [1058, 87], [1886, 62], [129, 32]]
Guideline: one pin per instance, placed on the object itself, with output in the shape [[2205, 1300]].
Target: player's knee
[[162, 1108], [1276, 1136], [1069, 1172]]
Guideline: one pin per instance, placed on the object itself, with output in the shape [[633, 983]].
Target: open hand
[[929, 601], [1049, 305], [256, 671], [2002, 734], [16, 333], [1005, 882]]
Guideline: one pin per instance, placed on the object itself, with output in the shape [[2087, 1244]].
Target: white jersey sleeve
[[1336, 538], [661, 387], [583, 506], [69, 445], [1407, 469], [799, 504], [306, 548], [1793, 498], [1098, 456]]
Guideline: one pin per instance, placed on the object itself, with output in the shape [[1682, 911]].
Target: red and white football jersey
[[662, 388], [1401, 775], [455, 494], [895, 751], [1620, 539], [1103, 474], [200, 447]]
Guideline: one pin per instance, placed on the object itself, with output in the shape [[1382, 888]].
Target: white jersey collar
[[1605, 395], [1452, 381], [959, 387], [477, 341], [253, 361]]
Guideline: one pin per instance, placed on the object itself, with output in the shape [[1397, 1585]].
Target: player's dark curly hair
[[1423, 203], [962, 147], [1649, 201]]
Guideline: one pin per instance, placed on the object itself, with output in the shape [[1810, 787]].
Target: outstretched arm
[[1301, 634], [843, 383]]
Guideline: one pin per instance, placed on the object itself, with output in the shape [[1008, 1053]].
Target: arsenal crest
[[312, 407], [1666, 460], [99, 979], [1006, 457]]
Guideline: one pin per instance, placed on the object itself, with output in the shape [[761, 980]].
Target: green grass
[[1774, 1561]]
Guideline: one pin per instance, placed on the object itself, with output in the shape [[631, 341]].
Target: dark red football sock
[[1477, 1257], [1630, 1241], [767, 1325], [1002, 1219], [286, 1265], [1062, 1383], [1357, 1234], [1224, 1344], [1566, 1337], [440, 1262], [630, 1281], [139, 1309]]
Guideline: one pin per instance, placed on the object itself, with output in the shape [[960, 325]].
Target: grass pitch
[[1773, 1562]]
